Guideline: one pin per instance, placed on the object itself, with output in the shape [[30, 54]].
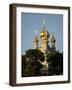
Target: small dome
[[53, 38], [47, 33], [36, 39]]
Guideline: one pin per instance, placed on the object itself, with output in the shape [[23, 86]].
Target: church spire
[[43, 23]]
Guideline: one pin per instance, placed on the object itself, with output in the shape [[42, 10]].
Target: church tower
[[44, 35], [36, 41], [53, 40]]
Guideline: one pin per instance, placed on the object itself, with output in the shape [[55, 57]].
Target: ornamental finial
[[36, 33], [43, 21]]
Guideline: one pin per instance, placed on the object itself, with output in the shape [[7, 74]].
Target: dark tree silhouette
[[55, 60], [35, 54], [30, 64], [32, 67]]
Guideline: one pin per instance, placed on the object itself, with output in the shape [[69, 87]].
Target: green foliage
[[55, 60], [35, 54], [31, 66]]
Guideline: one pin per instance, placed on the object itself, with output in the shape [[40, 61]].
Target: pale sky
[[32, 22]]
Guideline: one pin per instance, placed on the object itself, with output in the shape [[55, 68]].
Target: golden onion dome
[[44, 33], [36, 39]]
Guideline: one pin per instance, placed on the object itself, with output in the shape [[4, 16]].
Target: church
[[44, 38]]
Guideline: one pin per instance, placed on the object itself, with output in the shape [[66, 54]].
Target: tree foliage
[[55, 60], [31, 66], [35, 54]]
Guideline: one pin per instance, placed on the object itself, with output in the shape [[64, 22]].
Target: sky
[[33, 22]]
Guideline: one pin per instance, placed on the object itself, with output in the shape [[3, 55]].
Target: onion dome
[[53, 38], [44, 33], [36, 39]]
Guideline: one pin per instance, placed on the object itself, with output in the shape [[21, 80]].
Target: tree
[[32, 66], [35, 54], [55, 60]]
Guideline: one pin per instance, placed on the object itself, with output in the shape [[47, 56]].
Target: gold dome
[[44, 33], [36, 39]]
